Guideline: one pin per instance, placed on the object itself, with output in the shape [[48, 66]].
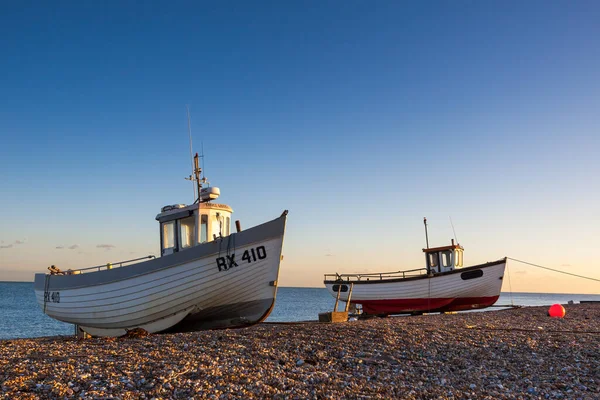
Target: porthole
[[340, 288], [471, 274]]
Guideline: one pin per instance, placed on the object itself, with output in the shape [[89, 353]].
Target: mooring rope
[[429, 295], [512, 303], [46, 285], [230, 239], [555, 270]]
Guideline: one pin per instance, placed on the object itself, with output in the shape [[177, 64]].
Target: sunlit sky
[[359, 117]]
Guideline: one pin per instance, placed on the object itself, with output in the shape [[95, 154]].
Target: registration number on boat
[[52, 297], [249, 256]]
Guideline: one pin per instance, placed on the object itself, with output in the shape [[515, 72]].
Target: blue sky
[[359, 117]]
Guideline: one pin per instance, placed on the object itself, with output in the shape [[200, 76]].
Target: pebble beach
[[516, 353]]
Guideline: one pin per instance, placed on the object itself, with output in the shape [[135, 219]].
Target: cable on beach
[[555, 270]]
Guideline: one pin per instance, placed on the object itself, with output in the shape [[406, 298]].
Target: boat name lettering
[[249, 256], [52, 297]]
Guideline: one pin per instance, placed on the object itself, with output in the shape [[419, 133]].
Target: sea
[[21, 317]]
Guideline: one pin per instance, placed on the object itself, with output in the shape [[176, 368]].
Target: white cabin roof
[[175, 209]]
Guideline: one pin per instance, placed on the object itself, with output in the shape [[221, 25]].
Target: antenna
[[426, 237], [455, 238], [191, 152], [202, 156]]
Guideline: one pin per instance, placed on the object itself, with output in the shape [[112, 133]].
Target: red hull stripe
[[400, 306]]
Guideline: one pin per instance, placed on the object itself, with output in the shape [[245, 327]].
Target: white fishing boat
[[442, 285], [206, 276]]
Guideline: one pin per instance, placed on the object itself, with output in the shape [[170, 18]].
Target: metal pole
[[191, 158], [337, 299], [349, 296], [426, 237], [197, 174]]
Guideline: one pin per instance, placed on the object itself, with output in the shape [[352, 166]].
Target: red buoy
[[556, 311]]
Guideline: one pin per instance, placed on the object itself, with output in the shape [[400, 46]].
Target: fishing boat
[[443, 285], [205, 278]]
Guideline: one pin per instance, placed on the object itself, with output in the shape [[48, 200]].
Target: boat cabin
[[443, 259], [182, 226]]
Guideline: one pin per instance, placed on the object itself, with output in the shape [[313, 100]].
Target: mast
[[197, 171], [426, 237], [190, 135]]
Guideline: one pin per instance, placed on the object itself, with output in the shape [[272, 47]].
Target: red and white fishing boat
[[443, 285]]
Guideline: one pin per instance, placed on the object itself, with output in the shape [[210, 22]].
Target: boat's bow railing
[[110, 265], [376, 275]]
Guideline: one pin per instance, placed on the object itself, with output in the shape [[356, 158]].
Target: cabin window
[[446, 258], [186, 232], [458, 258], [433, 259], [215, 229], [168, 235], [203, 228]]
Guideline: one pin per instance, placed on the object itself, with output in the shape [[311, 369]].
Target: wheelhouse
[[444, 259], [182, 227]]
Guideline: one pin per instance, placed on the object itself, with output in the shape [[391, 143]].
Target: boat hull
[[227, 283], [462, 289]]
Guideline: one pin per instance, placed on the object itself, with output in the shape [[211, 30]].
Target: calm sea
[[21, 317]]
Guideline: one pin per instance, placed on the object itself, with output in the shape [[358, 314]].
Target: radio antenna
[[455, 238], [202, 156], [426, 236], [191, 152]]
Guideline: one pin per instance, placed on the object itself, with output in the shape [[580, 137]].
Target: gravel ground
[[503, 354]]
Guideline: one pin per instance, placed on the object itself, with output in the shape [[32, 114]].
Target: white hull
[[461, 289], [176, 292]]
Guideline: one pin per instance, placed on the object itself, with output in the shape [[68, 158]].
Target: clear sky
[[359, 117]]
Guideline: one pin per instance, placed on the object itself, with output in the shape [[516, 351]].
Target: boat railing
[[376, 275], [110, 265]]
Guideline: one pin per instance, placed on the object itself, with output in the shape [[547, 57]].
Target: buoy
[[556, 311]]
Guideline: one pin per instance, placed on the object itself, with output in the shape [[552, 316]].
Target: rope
[[231, 238], [512, 303], [555, 270], [429, 294], [46, 285], [230, 246]]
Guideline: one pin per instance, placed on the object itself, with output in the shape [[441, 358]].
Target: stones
[[502, 355], [136, 333]]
